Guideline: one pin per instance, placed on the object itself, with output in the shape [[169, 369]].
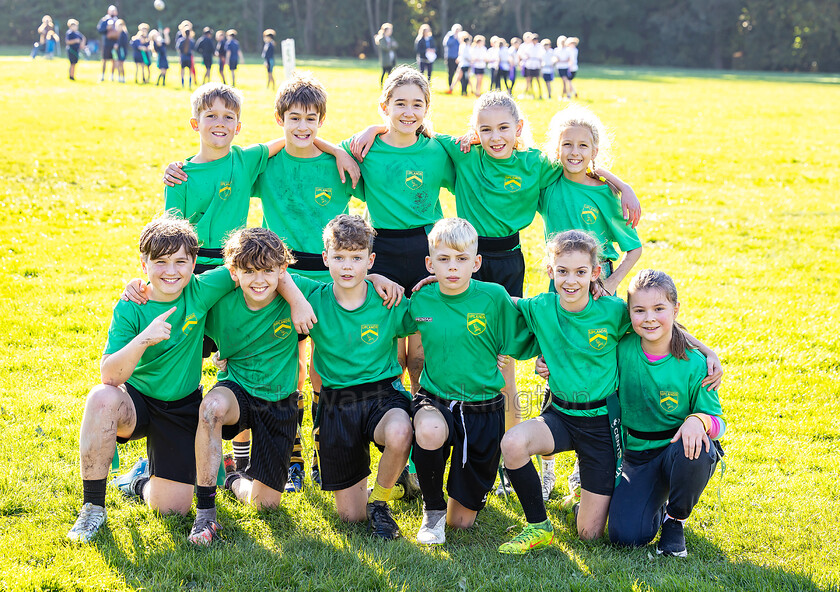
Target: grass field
[[737, 174]]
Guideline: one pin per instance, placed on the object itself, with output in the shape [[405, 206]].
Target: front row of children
[[152, 365]]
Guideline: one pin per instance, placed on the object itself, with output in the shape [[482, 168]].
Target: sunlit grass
[[738, 178]]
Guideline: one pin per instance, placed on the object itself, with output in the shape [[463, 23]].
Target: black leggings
[[425, 67], [386, 70]]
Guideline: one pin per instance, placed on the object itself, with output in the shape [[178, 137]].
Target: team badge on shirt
[[323, 195], [598, 338], [476, 323], [224, 190], [370, 333], [189, 323], [282, 328], [513, 183], [668, 401], [589, 214], [414, 179]]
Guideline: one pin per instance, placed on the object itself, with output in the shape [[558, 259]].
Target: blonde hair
[[301, 89], [651, 279], [72, 22], [502, 100], [455, 233], [256, 248], [348, 233], [381, 32], [576, 115], [204, 96], [477, 39], [572, 41], [421, 31], [403, 76]]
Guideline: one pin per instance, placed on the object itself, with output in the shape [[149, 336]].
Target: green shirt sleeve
[[255, 158], [516, 338], [175, 198]]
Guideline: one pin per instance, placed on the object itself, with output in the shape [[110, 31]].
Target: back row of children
[[461, 406], [150, 46], [500, 62]]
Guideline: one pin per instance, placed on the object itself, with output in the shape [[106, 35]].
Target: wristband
[[706, 423]]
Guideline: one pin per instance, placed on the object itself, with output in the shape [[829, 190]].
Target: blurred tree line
[[738, 34]]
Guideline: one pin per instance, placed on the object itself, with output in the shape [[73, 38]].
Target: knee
[[460, 521], [624, 535], [212, 410], [514, 444], [103, 398], [430, 435], [400, 434]]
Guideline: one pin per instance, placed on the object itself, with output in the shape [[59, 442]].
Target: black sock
[[93, 492], [297, 448], [205, 497], [528, 487], [430, 465], [139, 485]]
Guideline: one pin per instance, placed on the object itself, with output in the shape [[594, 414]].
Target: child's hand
[[597, 290], [541, 368], [345, 164], [693, 434], [361, 143], [158, 330], [715, 375], [467, 140], [390, 292], [502, 361], [630, 206], [303, 316], [424, 282], [135, 291], [174, 174], [220, 364]]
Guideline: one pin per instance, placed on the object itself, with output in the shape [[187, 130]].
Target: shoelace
[[527, 533]]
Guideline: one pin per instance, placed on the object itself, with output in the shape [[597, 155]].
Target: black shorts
[[347, 419], [73, 55], [233, 64], [591, 438], [548, 76], [108, 49], [269, 65], [506, 268], [563, 72], [475, 432], [571, 75], [186, 61], [401, 256], [478, 71], [208, 62], [273, 426], [532, 72], [169, 428]]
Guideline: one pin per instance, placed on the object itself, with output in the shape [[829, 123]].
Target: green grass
[[734, 172]]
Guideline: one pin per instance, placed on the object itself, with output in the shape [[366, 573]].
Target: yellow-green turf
[[738, 178]]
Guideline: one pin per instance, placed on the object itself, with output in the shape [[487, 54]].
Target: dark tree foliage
[[801, 35]]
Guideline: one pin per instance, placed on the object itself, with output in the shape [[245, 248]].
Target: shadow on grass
[[675, 75], [303, 545]]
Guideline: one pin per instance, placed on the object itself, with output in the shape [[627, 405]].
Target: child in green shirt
[[578, 336], [151, 370], [465, 325], [672, 424], [362, 398], [578, 200]]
